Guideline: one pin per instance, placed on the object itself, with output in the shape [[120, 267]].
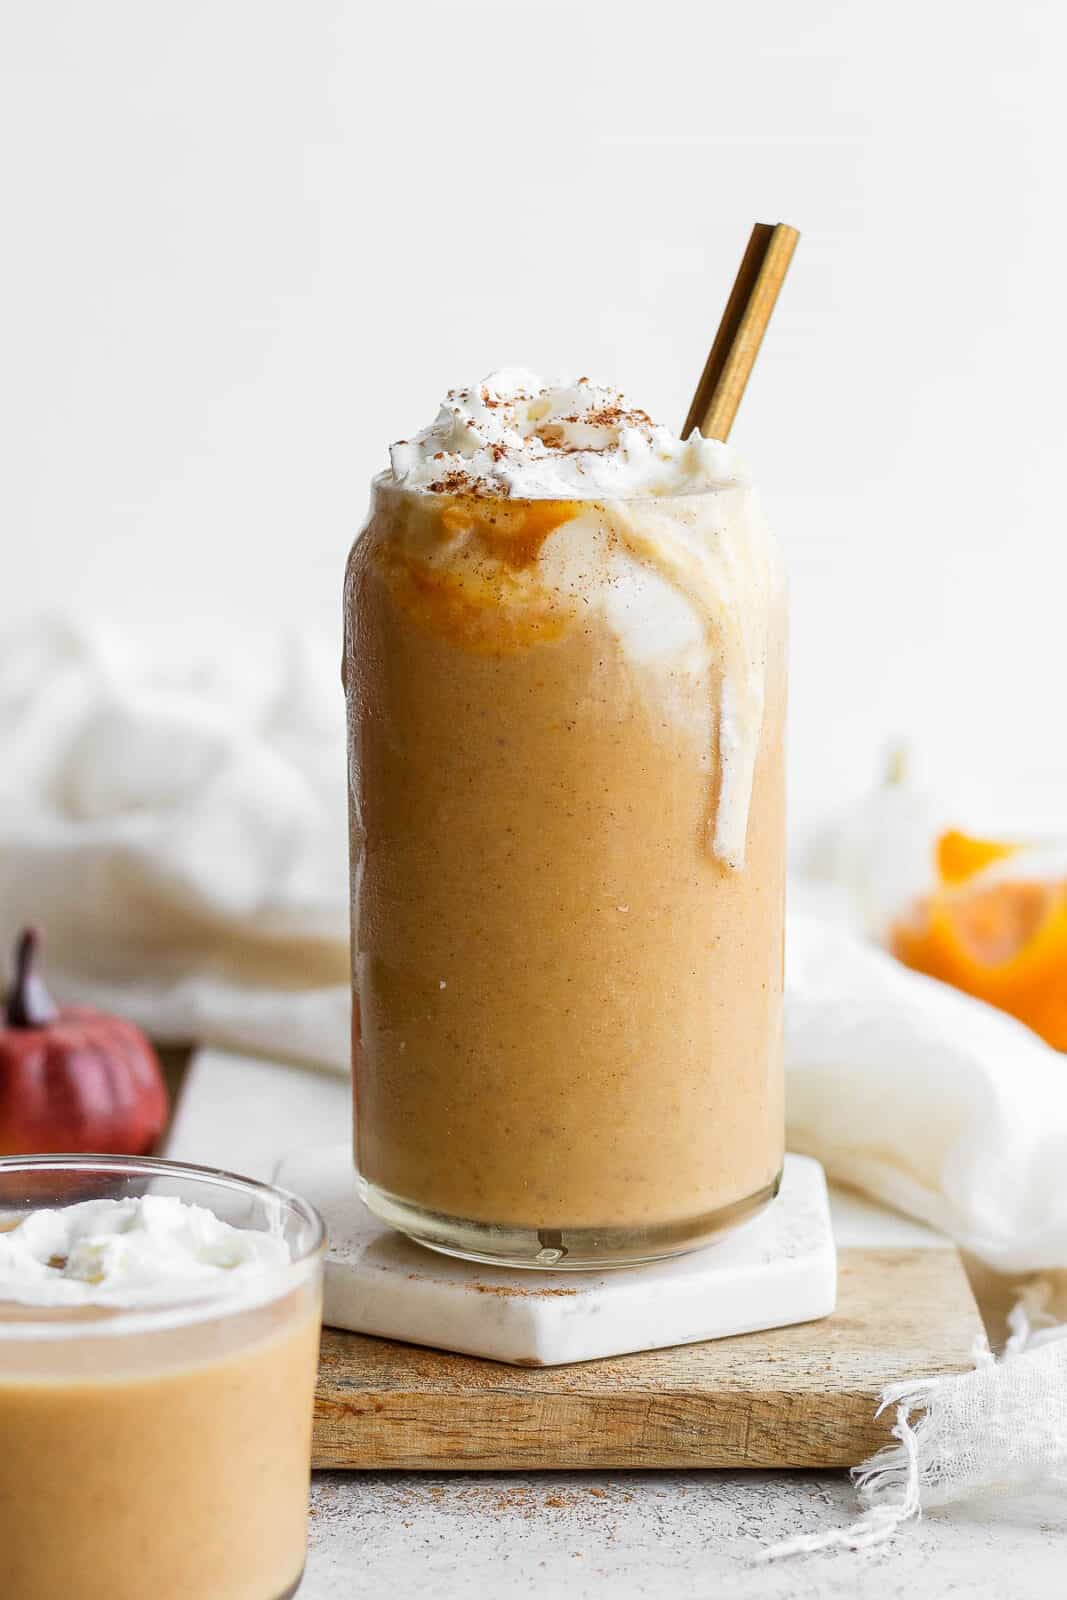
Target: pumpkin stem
[[29, 1005]]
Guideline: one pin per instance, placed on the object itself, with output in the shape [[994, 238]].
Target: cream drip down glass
[[159, 1333], [565, 641]]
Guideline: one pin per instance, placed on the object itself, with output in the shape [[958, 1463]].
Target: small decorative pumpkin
[[71, 1078]]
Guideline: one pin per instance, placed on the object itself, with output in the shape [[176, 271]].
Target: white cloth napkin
[[173, 815], [949, 1110], [933, 1102]]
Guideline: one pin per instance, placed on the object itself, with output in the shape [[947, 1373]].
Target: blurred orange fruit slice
[[1004, 942], [960, 856]]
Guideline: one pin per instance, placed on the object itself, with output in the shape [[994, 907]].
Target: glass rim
[[382, 483], [178, 1313]]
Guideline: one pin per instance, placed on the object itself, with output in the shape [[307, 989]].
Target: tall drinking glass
[[568, 850]]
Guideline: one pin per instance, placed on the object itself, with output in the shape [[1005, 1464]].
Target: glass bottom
[[289, 1593], [559, 1249]]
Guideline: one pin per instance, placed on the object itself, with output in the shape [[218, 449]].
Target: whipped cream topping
[[516, 434], [151, 1250]]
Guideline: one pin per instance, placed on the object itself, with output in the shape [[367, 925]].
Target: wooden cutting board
[[795, 1397]]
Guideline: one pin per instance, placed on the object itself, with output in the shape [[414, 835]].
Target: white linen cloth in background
[[175, 820], [933, 1102]]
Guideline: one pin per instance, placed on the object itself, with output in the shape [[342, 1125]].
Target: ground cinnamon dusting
[[455, 482], [507, 1292], [552, 437]]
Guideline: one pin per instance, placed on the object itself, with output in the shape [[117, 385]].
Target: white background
[[245, 243]]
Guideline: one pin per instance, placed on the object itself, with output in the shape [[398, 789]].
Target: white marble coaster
[[779, 1269]]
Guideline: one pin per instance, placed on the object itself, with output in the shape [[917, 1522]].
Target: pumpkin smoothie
[[565, 670], [152, 1448]]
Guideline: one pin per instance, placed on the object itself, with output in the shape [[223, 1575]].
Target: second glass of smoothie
[[159, 1337], [565, 671]]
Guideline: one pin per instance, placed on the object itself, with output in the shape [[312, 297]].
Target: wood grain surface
[[793, 1397]]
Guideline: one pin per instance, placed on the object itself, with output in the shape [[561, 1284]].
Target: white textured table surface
[[650, 1536], [604, 1536]]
